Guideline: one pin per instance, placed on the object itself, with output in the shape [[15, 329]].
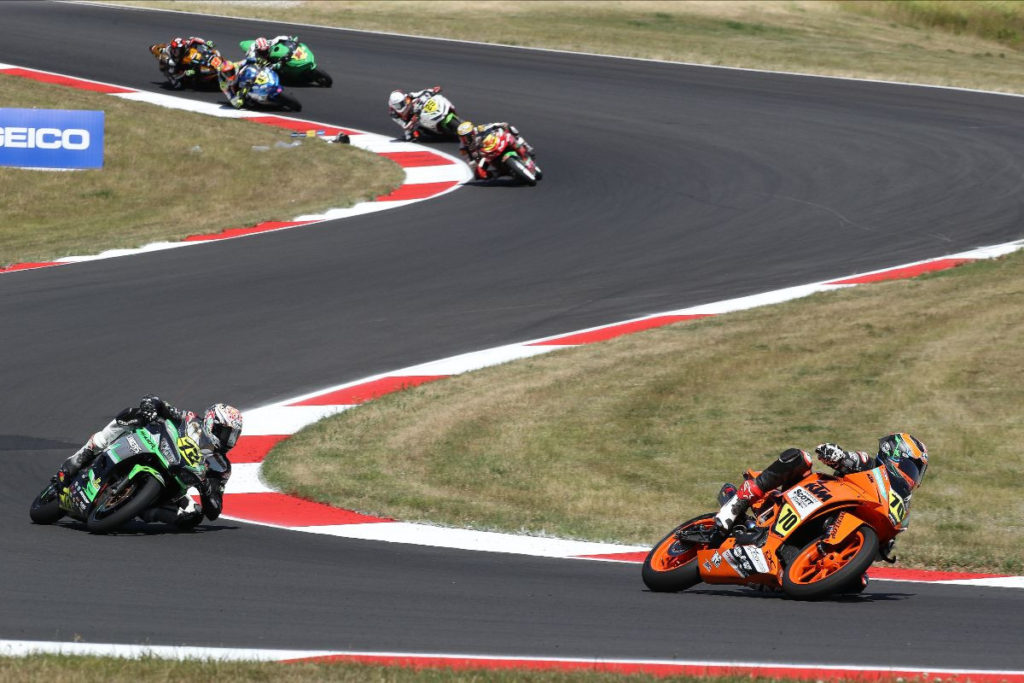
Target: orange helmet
[[905, 460]]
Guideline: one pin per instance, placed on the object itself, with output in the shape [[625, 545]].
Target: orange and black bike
[[203, 60], [814, 539]]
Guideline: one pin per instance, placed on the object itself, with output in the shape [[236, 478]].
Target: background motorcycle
[[298, 65], [264, 88], [205, 60], [150, 466], [509, 160], [437, 118]]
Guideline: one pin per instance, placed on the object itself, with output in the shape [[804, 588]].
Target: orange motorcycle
[[815, 539], [204, 60]]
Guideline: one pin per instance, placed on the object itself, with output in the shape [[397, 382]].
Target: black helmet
[[905, 459]]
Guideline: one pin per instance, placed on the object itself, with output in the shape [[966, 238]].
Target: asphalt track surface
[[665, 186]]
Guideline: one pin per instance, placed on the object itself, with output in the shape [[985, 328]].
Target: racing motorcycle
[[205, 60], [500, 152], [150, 466], [262, 87], [815, 539], [436, 118], [297, 63]]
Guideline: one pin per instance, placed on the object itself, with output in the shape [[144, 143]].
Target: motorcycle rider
[[215, 432], [260, 49], [405, 107], [472, 139], [236, 79], [903, 457], [176, 51]]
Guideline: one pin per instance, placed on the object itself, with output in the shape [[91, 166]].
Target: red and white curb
[[428, 173], [249, 499], [412, 660]]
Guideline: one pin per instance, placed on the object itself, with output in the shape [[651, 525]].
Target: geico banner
[[51, 138]]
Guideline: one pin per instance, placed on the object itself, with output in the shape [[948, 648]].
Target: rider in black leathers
[[216, 433]]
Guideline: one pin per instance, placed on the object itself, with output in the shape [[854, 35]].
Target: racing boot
[[72, 466], [733, 508]]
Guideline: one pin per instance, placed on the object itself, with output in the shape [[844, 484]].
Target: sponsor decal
[[716, 560], [746, 560], [820, 491], [165, 448], [51, 138], [803, 501], [134, 445]]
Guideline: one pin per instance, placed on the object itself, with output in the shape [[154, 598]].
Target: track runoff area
[[430, 174]]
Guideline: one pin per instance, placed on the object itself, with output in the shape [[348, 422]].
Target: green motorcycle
[[297, 63], [151, 466]]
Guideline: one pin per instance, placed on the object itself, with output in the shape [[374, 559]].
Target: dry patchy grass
[[169, 174], [619, 441]]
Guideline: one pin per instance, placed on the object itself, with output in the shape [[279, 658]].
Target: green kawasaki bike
[[297, 63], [151, 466]]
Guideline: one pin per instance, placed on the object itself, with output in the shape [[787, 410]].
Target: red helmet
[[177, 47], [262, 45]]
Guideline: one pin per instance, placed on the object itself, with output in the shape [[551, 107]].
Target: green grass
[[620, 441], [168, 174]]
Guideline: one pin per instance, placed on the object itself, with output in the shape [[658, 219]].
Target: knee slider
[[791, 455]]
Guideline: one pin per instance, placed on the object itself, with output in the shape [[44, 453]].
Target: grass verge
[[169, 174], [103, 669], [967, 44], [622, 440]]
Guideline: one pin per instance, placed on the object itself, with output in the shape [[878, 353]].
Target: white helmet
[[222, 425], [398, 102]]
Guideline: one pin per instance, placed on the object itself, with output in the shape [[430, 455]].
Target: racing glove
[[151, 407], [840, 460]]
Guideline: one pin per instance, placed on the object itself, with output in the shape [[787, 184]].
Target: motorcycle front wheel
[[121, 500], [672, 564], [818, 570], [287, 102], [520, 171], [46, 507]]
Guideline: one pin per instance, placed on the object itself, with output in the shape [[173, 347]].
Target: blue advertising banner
[[51, 138]]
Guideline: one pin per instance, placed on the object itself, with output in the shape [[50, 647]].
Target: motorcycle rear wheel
[[672, 565], [117, 503], [46, 507], [321, 78], [813, 574]]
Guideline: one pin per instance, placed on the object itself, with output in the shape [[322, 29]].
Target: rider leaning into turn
[[903, 458], [176, 51], [473, 141], [215, 432], [405, 107], [260, 49]]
